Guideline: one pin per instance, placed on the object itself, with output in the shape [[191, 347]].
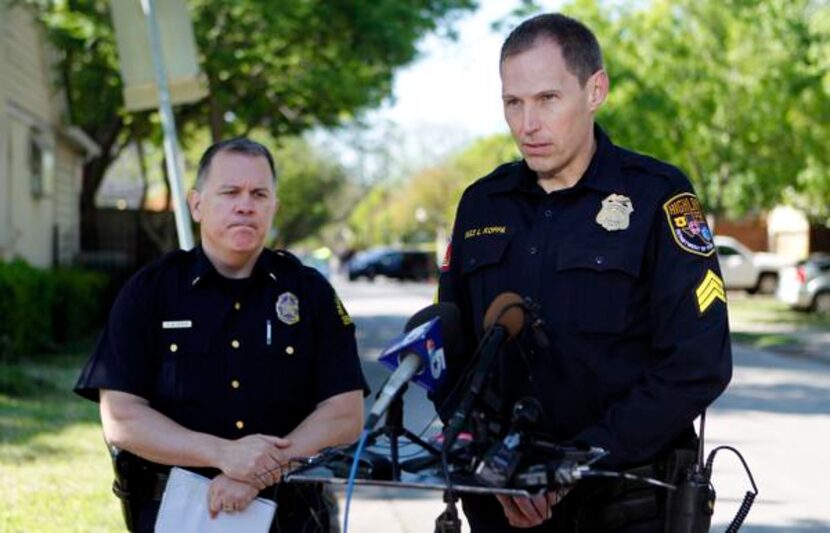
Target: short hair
[[580, 48], [237, 145]]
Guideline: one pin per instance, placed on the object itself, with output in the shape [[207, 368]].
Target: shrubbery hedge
[[42, 310]]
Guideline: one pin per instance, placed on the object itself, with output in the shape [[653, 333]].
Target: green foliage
[[424, 205], [729, 91], [40, 309], [25, 313], [279, 66], [308, 185]]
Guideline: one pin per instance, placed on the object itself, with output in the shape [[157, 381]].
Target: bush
[[43, 309]]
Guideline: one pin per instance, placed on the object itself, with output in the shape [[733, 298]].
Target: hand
[[532, 511], [255, 459], [228, 495]]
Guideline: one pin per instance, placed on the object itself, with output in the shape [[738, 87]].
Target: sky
[[447, 98]]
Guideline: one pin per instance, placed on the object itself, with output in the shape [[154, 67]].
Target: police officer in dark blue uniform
[[615, 248], [229, 358]]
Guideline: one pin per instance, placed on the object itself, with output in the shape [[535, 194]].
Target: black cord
[[749, 497]]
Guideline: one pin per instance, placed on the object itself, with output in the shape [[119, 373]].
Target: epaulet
[[493, 177], [170, 258], [670, 173], [285, 255]]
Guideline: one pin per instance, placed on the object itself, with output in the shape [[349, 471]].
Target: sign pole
[[172, 151]]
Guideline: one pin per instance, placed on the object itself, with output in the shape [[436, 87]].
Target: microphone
[[503, 320], [419, 355]]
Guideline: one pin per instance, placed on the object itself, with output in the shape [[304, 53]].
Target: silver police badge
[[288, 308], [615, 213]]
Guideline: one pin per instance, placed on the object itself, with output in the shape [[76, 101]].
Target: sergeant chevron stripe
[[709, 290]]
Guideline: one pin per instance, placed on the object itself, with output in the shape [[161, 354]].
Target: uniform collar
[[203, 269], [603, 172]]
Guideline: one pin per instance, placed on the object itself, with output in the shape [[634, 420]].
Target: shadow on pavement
[[785, 392], [800, 526]]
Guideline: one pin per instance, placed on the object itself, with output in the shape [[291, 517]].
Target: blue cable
[[352, 476]]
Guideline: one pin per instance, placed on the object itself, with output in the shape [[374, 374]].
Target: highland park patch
[[688, 224]]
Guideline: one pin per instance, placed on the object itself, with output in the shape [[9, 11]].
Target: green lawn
[[54, 468], [764, 322]]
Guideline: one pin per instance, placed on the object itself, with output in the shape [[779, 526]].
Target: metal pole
[[172, 152]]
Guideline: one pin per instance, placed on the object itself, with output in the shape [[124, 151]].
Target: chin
[[540, 164]]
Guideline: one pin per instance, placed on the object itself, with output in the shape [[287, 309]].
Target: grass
[[54, 468], [764, 322], [767, 310]]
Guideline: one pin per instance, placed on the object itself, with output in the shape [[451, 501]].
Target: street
[[776, 412]]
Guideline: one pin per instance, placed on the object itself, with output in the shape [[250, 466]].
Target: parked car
[[398, 264], [747, 270], [807, 284]]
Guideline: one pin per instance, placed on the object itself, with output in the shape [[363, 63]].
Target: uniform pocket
[[481, 256], [284, 369], [186, 372], [600, 283]]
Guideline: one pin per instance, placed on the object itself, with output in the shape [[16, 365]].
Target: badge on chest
[[288, 308], [615, 213]]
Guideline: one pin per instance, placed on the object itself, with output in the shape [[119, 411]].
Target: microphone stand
[[394, 429]]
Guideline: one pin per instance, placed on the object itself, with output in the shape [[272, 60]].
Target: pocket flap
[[481, 252], [599, 260]]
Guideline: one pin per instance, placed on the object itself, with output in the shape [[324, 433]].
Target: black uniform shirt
[[227, 357], [624, 269]]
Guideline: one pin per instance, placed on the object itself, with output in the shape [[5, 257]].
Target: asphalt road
[[776, 412]]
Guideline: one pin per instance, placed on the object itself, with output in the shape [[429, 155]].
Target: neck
[[232, 265], [569, 175]]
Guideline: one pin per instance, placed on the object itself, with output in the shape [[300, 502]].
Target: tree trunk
[[93, 174]]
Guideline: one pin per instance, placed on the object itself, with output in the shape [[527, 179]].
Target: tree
[[282, 66], [307, 185], [424, 204], [735, 92]]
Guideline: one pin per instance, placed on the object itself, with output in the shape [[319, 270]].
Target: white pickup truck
[[744, 269]]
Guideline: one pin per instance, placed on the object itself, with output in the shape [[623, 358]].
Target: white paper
[[184, 509]]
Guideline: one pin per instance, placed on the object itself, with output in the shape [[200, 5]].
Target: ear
[[597, 89], [194, 202]]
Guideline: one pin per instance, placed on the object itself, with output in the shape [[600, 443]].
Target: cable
[[749, 497], [352, 476]]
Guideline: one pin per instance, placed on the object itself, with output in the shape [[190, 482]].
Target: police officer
[[615, 248], [229, 358]]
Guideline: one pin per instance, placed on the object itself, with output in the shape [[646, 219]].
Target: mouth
[[535, 148], [242, 225]]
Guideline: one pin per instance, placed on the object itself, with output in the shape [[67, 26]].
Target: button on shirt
[[636, 316], [217, 355]]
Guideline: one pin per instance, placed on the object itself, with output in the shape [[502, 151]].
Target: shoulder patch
[[341, 312], [688, 224]]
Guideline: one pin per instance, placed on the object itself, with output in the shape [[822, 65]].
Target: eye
[[511, 102]]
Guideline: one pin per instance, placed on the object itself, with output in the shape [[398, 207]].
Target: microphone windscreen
[[450, 326], [507, 311]]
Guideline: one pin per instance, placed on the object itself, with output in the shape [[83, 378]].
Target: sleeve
[[337, 364], [122, 358], [689, 337], [452, 289]]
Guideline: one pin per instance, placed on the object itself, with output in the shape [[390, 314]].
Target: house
[[41, 155]]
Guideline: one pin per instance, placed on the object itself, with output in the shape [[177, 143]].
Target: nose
[[530, 119], [244, 204]]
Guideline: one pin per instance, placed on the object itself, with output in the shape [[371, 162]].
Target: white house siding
[[42, 229]]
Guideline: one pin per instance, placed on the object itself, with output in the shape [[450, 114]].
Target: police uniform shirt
[[227, 357], [624, 269]]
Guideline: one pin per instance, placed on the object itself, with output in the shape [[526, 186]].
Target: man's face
[[549, 112], [236, 205]]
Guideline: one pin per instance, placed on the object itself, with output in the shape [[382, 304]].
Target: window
[[41, 164]]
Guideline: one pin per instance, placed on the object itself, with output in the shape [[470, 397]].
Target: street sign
[[184, 77]]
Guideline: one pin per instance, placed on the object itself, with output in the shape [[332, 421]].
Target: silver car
[[807, 284]]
